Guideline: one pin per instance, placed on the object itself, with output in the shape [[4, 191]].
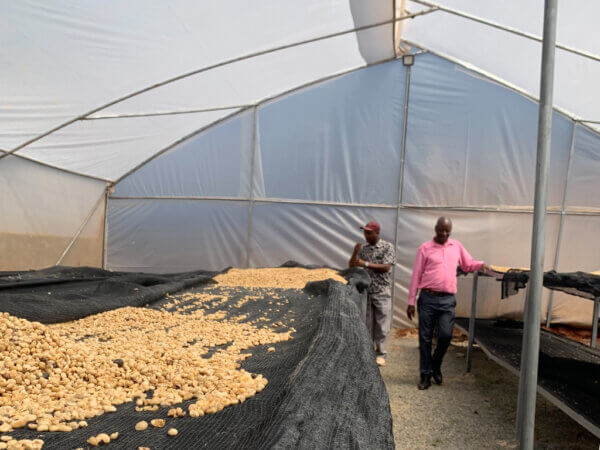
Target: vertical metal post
[[394, 23], [251, 198], [105, 230], [401, 176], [531, 330], [595, 323], [521, 393], [562, 222], [472, 321]]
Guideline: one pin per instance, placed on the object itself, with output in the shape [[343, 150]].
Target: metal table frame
[[471, 331], [547, 394]]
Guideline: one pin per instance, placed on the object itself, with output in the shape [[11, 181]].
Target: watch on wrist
[[367, 264]]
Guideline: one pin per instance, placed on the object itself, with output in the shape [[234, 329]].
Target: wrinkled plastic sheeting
[[176, 235], [514, 58], [338, 141], [584, 182], [81, 58], [578, 252], [471, 142], [213, 163], [250, 81], [41, 210], [312, 233], [109, 148]]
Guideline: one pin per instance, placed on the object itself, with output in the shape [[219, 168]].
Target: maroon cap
[[371, 226]]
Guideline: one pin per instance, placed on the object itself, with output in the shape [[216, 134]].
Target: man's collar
[[448, 242]]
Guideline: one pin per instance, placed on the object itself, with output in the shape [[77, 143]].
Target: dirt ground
[[470, 411]]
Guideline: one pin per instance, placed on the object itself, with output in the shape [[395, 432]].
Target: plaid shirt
[[380, 253]]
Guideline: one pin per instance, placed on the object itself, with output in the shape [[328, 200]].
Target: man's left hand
[[487, 269]]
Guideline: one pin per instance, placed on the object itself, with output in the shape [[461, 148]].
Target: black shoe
[[425, 383], [437, 377]]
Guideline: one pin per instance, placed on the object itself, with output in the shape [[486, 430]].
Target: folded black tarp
[[61, 294]]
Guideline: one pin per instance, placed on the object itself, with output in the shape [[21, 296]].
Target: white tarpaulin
[[473, 143], [515, 58], [41, 210]]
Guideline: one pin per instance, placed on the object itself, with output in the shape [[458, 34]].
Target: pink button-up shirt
[[435, 267]]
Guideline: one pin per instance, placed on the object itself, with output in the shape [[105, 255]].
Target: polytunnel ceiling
[[81, 58], [508, 46], [99, 64]]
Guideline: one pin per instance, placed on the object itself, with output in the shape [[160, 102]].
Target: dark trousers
[[434, 311]]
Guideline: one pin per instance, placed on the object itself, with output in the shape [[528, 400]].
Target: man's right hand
[[352, 262], [410, 311]]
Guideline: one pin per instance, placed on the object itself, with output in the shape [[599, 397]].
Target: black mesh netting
[[61, 294], [567, 369], [324, 389], [581, 284]]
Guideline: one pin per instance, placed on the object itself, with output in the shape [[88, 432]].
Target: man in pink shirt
[[434, 274]]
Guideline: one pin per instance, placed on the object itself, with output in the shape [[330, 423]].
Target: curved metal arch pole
[[61, 169], [177, 142], [167, 113], [506, 28], [210, 67], [261, 102], [495, 79]]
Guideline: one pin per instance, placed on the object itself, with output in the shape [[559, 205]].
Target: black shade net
[[569, 370], [324, 390], [62, 294], [581, 284]]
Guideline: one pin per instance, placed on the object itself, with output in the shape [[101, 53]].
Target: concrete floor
[[470, 411]]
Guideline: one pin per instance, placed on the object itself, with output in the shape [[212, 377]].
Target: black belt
[[436, 293]]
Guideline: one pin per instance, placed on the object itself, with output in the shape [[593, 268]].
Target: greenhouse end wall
[[313, 165]]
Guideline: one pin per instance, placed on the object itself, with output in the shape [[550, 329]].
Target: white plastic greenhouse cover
[[168, 136]]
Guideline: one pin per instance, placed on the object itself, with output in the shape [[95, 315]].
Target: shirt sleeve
[[416, 276], [467, 263], [390, 255], [360, 254]]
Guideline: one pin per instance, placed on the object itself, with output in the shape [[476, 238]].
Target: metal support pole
[[105, 229], [531, 330], [401, 176], [519, 421], [472, 321], [251, 199], [562, 222], [595, 323]]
